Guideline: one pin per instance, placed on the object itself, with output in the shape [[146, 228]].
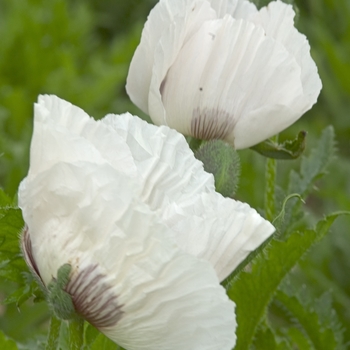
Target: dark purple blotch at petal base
[[93, 297]]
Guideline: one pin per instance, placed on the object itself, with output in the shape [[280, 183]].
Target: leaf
[[312, 168], [315, 165], [280, 217], [30, 288], [316, 275], [298, 338], [94, 340], [223, 162], [12, 264], [315, 318], [19, 296], [288, 150], [253, 290], [90, 335], [103, 343], [5, 200], [264, 339], [11, 261], [63, 341], [6, 343]]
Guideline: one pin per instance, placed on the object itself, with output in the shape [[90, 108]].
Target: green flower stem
[[270, 175], [54, 333], [76, 334]]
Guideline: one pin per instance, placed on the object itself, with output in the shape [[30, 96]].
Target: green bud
[[59, 300], [223, 162]]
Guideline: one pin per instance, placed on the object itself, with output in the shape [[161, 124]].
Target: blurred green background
[[80, 50]]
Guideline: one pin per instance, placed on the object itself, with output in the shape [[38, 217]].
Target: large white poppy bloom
[[222, 69], [127, 205]]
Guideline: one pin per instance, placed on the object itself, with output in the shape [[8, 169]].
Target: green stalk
[[76, 333], [54, 333], [270, 175]]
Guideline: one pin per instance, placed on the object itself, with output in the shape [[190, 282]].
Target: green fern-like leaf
[[266, 339], [6, 343], [11, 261], [315, 319], [252, 289], [12, 264], [312, 168], [103, 343], [5, 200]]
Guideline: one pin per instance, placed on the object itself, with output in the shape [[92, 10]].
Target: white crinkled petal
[[151, 294], [277, 19], [171, 300], [236, 70], [63, 132], [129, 277], [169, 25], [202, 69], [167, 168], [206, 225], [65, 212], [238, 9], [170, 180], [262, 123], [217, 229]]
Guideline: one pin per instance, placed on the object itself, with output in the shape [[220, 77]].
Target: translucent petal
[[277, 19], [262, 123], [204, 224], [171, 300], [167, 299], [169, 25], [169, 180], [217, 229], [212, 78], [158, 296], [63, 132], [238, 9], [167, 169], [236, 70]]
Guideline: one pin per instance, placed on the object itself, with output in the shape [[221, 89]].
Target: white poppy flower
[[127, 205], [222, 69]]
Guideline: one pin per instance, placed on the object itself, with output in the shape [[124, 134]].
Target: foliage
[[6, 343], [290, 149], [317, 321], [255, 283]]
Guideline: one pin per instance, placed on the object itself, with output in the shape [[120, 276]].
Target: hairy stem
[[54, 333], [76, 334], [270, 175]]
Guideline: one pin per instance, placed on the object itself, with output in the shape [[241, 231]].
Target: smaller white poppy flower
[[134, 214], [221, 69]]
